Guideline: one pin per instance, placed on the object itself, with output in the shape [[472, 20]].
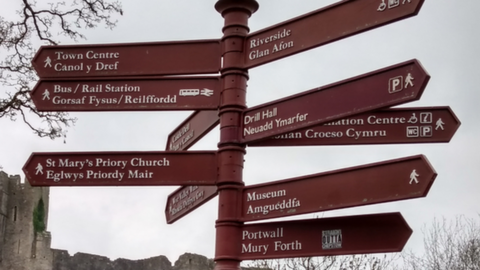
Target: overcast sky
[[130, 223]]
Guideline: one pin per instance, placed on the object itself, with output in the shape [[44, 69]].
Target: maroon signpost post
[[390, 126], [127, 94], [393, 180], [128, 77], [376, 233]]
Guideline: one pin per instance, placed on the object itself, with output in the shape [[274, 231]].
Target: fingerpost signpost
[[137, 76]]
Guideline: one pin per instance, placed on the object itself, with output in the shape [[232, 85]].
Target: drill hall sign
[[154, 76], [386, 87]]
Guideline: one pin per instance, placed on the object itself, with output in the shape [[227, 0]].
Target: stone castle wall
[[23, 249], [82, 261]]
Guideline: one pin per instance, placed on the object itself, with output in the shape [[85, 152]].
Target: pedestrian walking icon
[[48, 62], [39, 169], [439, 124], [409, 80], [413, 177], [46, 94]]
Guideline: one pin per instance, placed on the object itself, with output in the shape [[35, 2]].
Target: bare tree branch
[[353, 262], [449, 245], [17, 39]]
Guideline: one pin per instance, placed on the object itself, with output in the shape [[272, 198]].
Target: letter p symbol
[[395, 84]]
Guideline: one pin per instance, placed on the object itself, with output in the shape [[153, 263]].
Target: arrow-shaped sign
[[127, 94], [383, 88], [186, 199], [393, 180], [320, 27], [197, 125], [127, 59], [122, 168], [377, 233], [389, 126]]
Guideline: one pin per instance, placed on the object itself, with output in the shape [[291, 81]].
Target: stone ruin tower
[[23, 245]]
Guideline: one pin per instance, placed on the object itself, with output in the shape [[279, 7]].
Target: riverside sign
[[136, 76]]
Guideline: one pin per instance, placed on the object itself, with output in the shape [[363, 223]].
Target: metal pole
[[230, 151]]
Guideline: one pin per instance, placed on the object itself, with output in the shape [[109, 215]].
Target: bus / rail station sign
[[127, 94]]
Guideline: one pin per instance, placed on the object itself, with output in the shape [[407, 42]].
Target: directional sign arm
[[197, 125], [377, 233], [127, 93], [387, 181], [394, 85], [325, 25], [129, 59], [388, 126], [122, 168], [186, 199]]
